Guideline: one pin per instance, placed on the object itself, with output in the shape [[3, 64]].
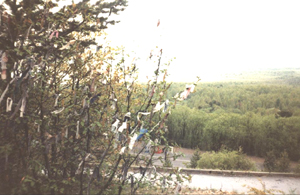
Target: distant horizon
[[234, 76]]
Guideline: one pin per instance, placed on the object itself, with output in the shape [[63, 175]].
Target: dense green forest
[[258, 111]]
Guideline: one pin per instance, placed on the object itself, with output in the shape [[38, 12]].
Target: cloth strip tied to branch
[[9, 103]]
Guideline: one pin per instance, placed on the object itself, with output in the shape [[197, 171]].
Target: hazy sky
[[211, 37]]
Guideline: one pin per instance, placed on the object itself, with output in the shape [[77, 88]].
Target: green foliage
[[195, 158], [283, 163], [297, 168], [270, 161], [225, 160], [241, 113], [167, 163], [274, 163]]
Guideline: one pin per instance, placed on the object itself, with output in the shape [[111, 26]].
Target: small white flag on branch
[[4, 59], [56, 99], [141, 113], [183, 95], [67, 46], [77, 131], [67, 131], [122, 150], [6, 89], [159, 106], [122, 127], [114, 126], [127, 116], [166, 105], [58, 111], [9, 102], [85, 159], [23, 105], [132, 141]]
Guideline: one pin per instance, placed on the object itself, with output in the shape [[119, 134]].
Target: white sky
[[211, 37]]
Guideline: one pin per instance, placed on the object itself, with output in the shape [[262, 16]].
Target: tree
[[70, 118], [195, 158], [270, 161]]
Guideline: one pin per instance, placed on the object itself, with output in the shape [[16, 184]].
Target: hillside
[[258, 111]]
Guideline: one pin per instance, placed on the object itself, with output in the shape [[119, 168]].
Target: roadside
[[188, 153], [258, 160], [229, 182]]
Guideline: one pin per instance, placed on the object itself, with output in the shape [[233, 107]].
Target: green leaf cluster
[[225, 160]]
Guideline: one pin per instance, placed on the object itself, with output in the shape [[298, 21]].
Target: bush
[[225, 160], [195, 158], [297, 168], [273, 163], [270, 161], [283, 163]]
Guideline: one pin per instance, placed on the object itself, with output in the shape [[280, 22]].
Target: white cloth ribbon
[[23, 105], [77, 131], [158, 107], [115, 125], [58, 111], [132, 141], [5, 91], [122, 127], [3, 65], [128, 115], [9, 102], [114, 104], [122, 150], [56, 99], [67, 46], [166, 105], [183, 95], [67, 131], [85, 159], [141, 113]]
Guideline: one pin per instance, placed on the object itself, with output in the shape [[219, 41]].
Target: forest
[[258, 111]]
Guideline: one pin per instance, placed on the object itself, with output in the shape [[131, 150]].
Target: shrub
[[195, 158], [270, 161], [283, 163], [297, 168], [273, 163], [225, 160]]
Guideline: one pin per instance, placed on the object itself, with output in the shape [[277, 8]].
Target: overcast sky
[[212, 37]]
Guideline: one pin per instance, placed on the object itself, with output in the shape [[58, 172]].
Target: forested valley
[[258, 111]]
